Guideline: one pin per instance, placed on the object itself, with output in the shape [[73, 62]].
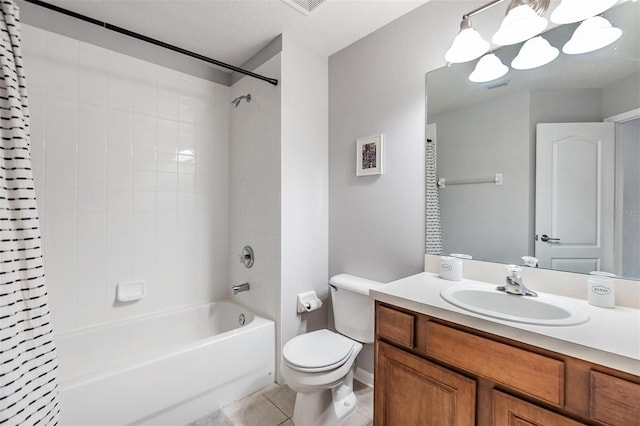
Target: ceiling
[[232, 31]]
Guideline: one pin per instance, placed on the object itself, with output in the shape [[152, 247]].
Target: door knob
[[545, 238]]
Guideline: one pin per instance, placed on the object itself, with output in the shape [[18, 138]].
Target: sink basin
[[545, 309]]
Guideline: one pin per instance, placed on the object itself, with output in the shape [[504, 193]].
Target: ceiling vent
[[304, 6]]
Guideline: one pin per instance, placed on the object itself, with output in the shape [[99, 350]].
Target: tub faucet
[[238, 288], [514, 284]]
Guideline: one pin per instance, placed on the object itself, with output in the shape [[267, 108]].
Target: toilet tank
[[353, 310]]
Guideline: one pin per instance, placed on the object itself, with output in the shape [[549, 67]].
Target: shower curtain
[[433, 228], [28, 363]]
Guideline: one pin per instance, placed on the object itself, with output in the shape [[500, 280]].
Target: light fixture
[[468, 44], [535, 53], [488, 68], [521, 23], [578, 10], [524, 23], [593, 34]]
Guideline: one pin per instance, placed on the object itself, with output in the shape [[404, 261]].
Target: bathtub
[[168, 368]]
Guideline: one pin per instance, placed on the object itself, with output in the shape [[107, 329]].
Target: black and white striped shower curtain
[[433, 226], [29, 392]]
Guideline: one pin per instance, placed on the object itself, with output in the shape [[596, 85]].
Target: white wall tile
[[144, 132], [119, 132], [167, 137], [167, 106], [91, 200], [144, 222], [120, 84], [144, 95], [167, 221], [187, 164], [187, 109], [91, 314], [119, 223], [167, 181], [61, 134], [92, 80], [144, 160], [119, 252], [167, 162], [144, 180], [108, 132], [119, 179], [62, 67], [254, 165], [167, 202], [92, 148], [144, 201], [119, 201], [34, 48], [187, 183]]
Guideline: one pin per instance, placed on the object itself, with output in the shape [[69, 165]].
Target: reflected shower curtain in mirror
[[433, 228], [28, 363]]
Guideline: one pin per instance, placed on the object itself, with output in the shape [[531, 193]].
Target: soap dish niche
[[130, 291]]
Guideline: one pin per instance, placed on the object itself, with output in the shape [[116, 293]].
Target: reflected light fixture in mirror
[[520, 24], [468, 44], [488, 68], [535, 53], [593, 34], [570, 11]]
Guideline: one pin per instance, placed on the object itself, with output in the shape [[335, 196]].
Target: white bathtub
[[166, 369]]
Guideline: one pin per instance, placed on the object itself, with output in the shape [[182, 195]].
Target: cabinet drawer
[[613, 401], [395, 326], [508, 410], [527, 372]]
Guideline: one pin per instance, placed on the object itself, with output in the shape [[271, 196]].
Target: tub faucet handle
[[247, 257]]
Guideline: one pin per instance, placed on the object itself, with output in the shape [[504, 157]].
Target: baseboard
[[364, 377]]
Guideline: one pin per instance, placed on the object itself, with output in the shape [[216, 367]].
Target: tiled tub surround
[[131, 166], [177, 366]]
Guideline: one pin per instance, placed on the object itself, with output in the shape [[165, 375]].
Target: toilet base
[[325, 407]]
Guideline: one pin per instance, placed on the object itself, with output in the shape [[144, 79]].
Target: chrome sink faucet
[[514, 284], [238, 288]]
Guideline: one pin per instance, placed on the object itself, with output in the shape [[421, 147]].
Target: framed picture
[[369, 156]]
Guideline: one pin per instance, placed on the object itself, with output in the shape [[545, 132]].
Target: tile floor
[[273, 406]]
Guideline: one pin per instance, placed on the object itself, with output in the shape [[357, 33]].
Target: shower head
[[237, 100]]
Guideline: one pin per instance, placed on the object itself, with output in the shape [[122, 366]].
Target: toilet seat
[[318, 351]]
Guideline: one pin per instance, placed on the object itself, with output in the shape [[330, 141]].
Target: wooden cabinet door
[[511, 411], [412, 391]]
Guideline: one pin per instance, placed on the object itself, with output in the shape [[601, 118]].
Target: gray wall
[[631, 199], [487, 221], [377, 85], [622, 96]]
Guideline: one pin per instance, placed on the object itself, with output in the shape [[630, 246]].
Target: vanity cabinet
[[431, 372], [419, 392]]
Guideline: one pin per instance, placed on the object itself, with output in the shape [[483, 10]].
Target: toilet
[[320, 365]]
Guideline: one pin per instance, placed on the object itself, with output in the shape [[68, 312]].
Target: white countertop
[[610, 337]]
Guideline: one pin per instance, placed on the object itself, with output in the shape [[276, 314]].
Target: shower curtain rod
[[150, 40]]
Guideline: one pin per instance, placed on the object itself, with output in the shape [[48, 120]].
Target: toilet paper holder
[[308, 301]]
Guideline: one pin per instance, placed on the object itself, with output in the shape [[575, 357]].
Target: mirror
[[482, 131]]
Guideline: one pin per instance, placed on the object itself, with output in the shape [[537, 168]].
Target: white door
[[575, 196]]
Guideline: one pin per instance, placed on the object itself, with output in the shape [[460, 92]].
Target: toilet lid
[[317, 351]]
